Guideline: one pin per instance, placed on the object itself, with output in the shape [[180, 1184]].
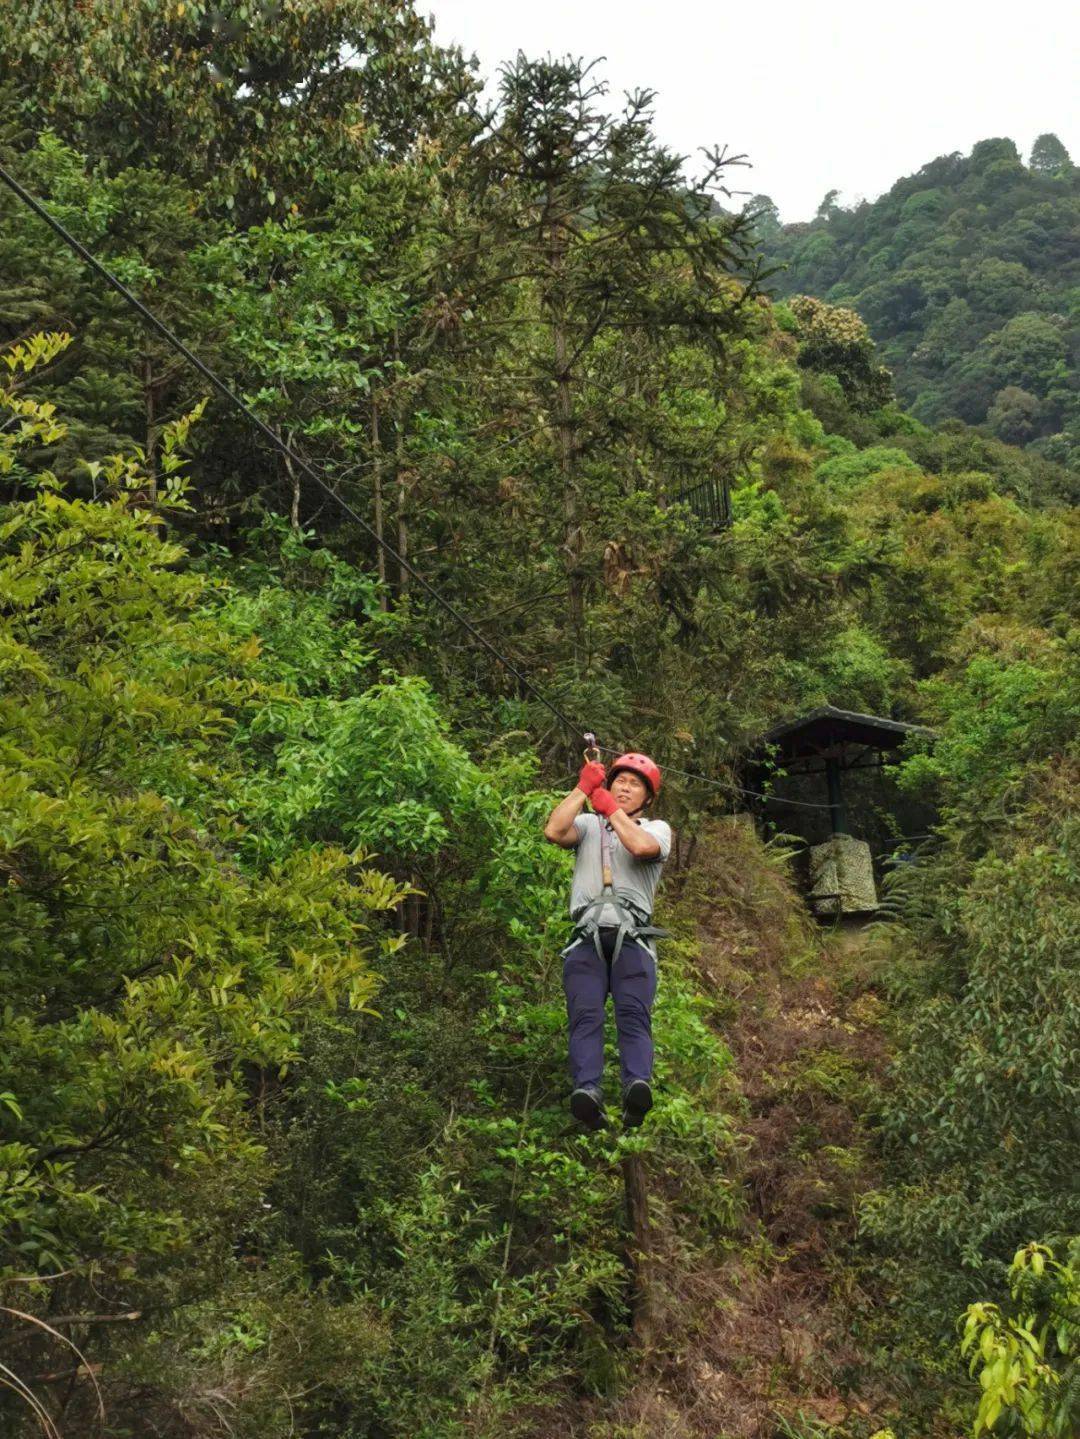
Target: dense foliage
[[966, 274], [1027, 1357], [283, 1144], [196, 1128], [982, 1114]]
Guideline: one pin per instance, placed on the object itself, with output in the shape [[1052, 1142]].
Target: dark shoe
[[637, 1101], [587, 1106]]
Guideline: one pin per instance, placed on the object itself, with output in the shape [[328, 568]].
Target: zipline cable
[[290, 454], [264, 429], [730, 785]]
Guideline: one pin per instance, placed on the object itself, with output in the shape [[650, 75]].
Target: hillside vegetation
[[284, 1147], [968, 277]]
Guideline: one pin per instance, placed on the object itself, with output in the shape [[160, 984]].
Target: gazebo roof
[[827, 726]]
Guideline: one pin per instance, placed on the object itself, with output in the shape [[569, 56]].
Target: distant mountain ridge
[[968, 276]]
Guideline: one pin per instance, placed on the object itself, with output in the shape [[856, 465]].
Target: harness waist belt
[[633, 923]]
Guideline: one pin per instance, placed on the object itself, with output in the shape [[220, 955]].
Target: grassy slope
[[754, 1338]]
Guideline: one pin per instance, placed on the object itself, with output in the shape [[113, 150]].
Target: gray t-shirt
[[637, 878]]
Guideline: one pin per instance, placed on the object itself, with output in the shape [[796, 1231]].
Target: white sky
[[842, 95]]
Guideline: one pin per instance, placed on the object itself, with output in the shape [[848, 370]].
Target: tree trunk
[[399, 470], [376, 453], [638, 1249], [294, 481], [572, 537], [150, 444], [564, 432]]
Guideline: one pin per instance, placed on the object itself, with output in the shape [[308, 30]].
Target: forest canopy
[[967, 275], [284, 1147]]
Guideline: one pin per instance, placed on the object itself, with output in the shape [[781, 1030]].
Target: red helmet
[[639, 764]]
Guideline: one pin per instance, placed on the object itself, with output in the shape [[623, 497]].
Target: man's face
[[629, 791]]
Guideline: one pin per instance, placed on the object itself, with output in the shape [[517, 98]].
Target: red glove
[[592, 774], [603, 801]]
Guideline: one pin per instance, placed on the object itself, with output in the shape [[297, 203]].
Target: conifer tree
[[586, 227]]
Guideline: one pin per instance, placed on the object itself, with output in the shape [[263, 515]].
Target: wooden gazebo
[[831, 742]]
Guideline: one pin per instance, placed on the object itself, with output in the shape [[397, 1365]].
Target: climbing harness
[[634, 922]]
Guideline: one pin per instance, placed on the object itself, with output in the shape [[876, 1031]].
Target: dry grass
[[746, 1337]]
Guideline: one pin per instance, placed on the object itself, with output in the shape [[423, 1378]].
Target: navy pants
[[631, 982]]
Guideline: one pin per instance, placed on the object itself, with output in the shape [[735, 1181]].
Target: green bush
[[980, 1112], [1026, 1358]]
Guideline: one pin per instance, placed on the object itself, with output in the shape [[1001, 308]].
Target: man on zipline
[[620, 853]]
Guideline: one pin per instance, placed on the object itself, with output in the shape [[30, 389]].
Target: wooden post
[[638, 1248], [837, 812]]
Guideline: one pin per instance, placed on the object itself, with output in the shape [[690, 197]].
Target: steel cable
[[312, 474]]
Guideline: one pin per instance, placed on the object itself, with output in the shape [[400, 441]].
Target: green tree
[[766, 216], [828, 207], [1029, 350], [835, 341], [1014, 415], [117, 384], [1027, 1358], [936, 267], [1049, 154], [153, 978], [253, 104], [1000, 286], [603, 234], [983, 966]]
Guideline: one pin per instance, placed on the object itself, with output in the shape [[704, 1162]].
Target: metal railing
[[710, 501]]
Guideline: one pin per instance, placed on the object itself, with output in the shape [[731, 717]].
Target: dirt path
[[809, 1053], [755, 1340], [760, 1342]]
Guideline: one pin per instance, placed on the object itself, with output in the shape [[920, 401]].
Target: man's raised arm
[[640, 843], [560, 828]]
